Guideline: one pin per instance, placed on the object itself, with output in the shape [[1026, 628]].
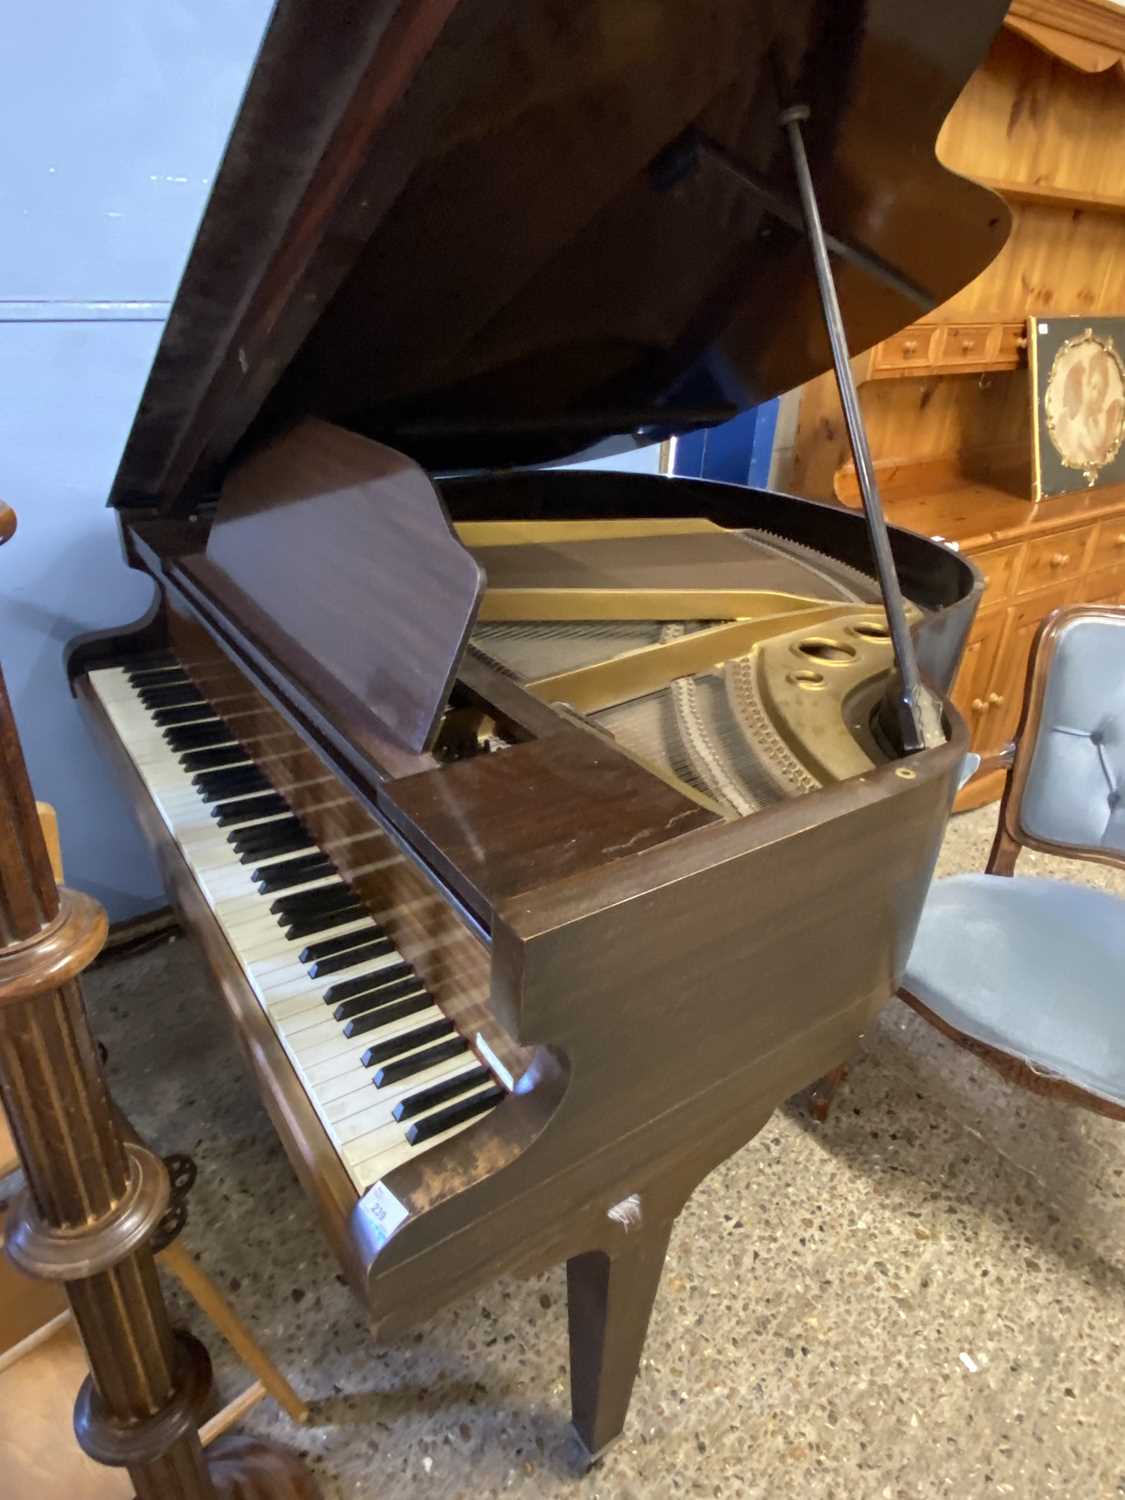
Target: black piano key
[[317, 951], [187, 739], [439, 1093], [265, 837], [296, 843], [344, 989], [387, 1015], [232, 776], [380, 996], [241, 810], [152, 661], [290, 872], [456, 1114], [384, 1002], [158, 677], [343, 900], [191, 713], [183, 686], [258, 849], [248, 782], [169, 697], [197, 736], [291, 866], [347, 960], [406, 1041], [310, 926], [235, 780], [214, 760], [417, 1062], [241, 838], [308, 903]]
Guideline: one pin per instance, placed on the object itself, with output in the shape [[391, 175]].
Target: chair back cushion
[[1074, 794]]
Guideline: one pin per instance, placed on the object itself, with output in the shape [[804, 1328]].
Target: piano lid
[[478, 230]]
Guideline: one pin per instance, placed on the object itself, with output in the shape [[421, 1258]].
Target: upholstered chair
[[1029, 972]]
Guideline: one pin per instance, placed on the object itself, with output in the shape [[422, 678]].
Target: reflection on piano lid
[[544, 829]]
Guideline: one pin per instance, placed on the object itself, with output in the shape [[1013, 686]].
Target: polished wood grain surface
[[325, 281], [492, 825], [346, 547], [468, 239], [698, 954]]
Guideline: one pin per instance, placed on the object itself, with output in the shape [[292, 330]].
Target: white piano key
[[356, 1115]]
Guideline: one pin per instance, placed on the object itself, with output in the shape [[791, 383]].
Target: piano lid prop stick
[[919, 712]]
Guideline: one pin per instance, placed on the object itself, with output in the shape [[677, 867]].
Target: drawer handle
[[979, 706], [1119, 539], [996, 700], [1060, 559], [909, 346], [967, 344]]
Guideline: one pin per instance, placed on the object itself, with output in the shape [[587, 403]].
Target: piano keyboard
[[387, 1072]]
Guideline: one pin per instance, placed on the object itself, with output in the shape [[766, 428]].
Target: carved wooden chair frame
[[1011, 838]]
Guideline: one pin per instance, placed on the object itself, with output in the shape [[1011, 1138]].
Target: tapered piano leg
[[823, 1091], [610, 1301]]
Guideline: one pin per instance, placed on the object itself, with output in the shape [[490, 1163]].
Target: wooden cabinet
[[1055, 564], [1109, 545], [948, 348], [1005, 693], [1053, 559], [1000, 566], [978, 669], [1106, 587], [913, 349]]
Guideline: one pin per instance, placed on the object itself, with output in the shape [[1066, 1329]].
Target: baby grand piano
[[544, 828]]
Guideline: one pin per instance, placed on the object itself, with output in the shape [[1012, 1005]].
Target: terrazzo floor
[[923, 1298]]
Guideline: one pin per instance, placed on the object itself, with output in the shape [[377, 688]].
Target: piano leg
[[610, 1297], [823, 1092]]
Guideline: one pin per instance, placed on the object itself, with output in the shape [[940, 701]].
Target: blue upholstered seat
[[1075, 793], [1034, 967]]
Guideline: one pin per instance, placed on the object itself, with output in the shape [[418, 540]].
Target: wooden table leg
[[91, 1202], [207, 1295], [609, 1302]]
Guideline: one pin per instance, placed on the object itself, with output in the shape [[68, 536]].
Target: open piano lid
[[465, 227]]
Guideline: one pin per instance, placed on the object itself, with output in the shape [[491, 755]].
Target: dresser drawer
[[966, 343], [1109, 544], [1051, 559], [913, 346], [1000, 566], [1011, 346], [1107, 586]]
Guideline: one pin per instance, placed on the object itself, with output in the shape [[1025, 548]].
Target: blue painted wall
[[114, 117]]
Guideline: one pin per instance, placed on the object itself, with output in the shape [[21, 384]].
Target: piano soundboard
[[388, 1074]]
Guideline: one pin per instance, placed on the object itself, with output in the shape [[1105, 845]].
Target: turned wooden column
[[92, 1201]]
